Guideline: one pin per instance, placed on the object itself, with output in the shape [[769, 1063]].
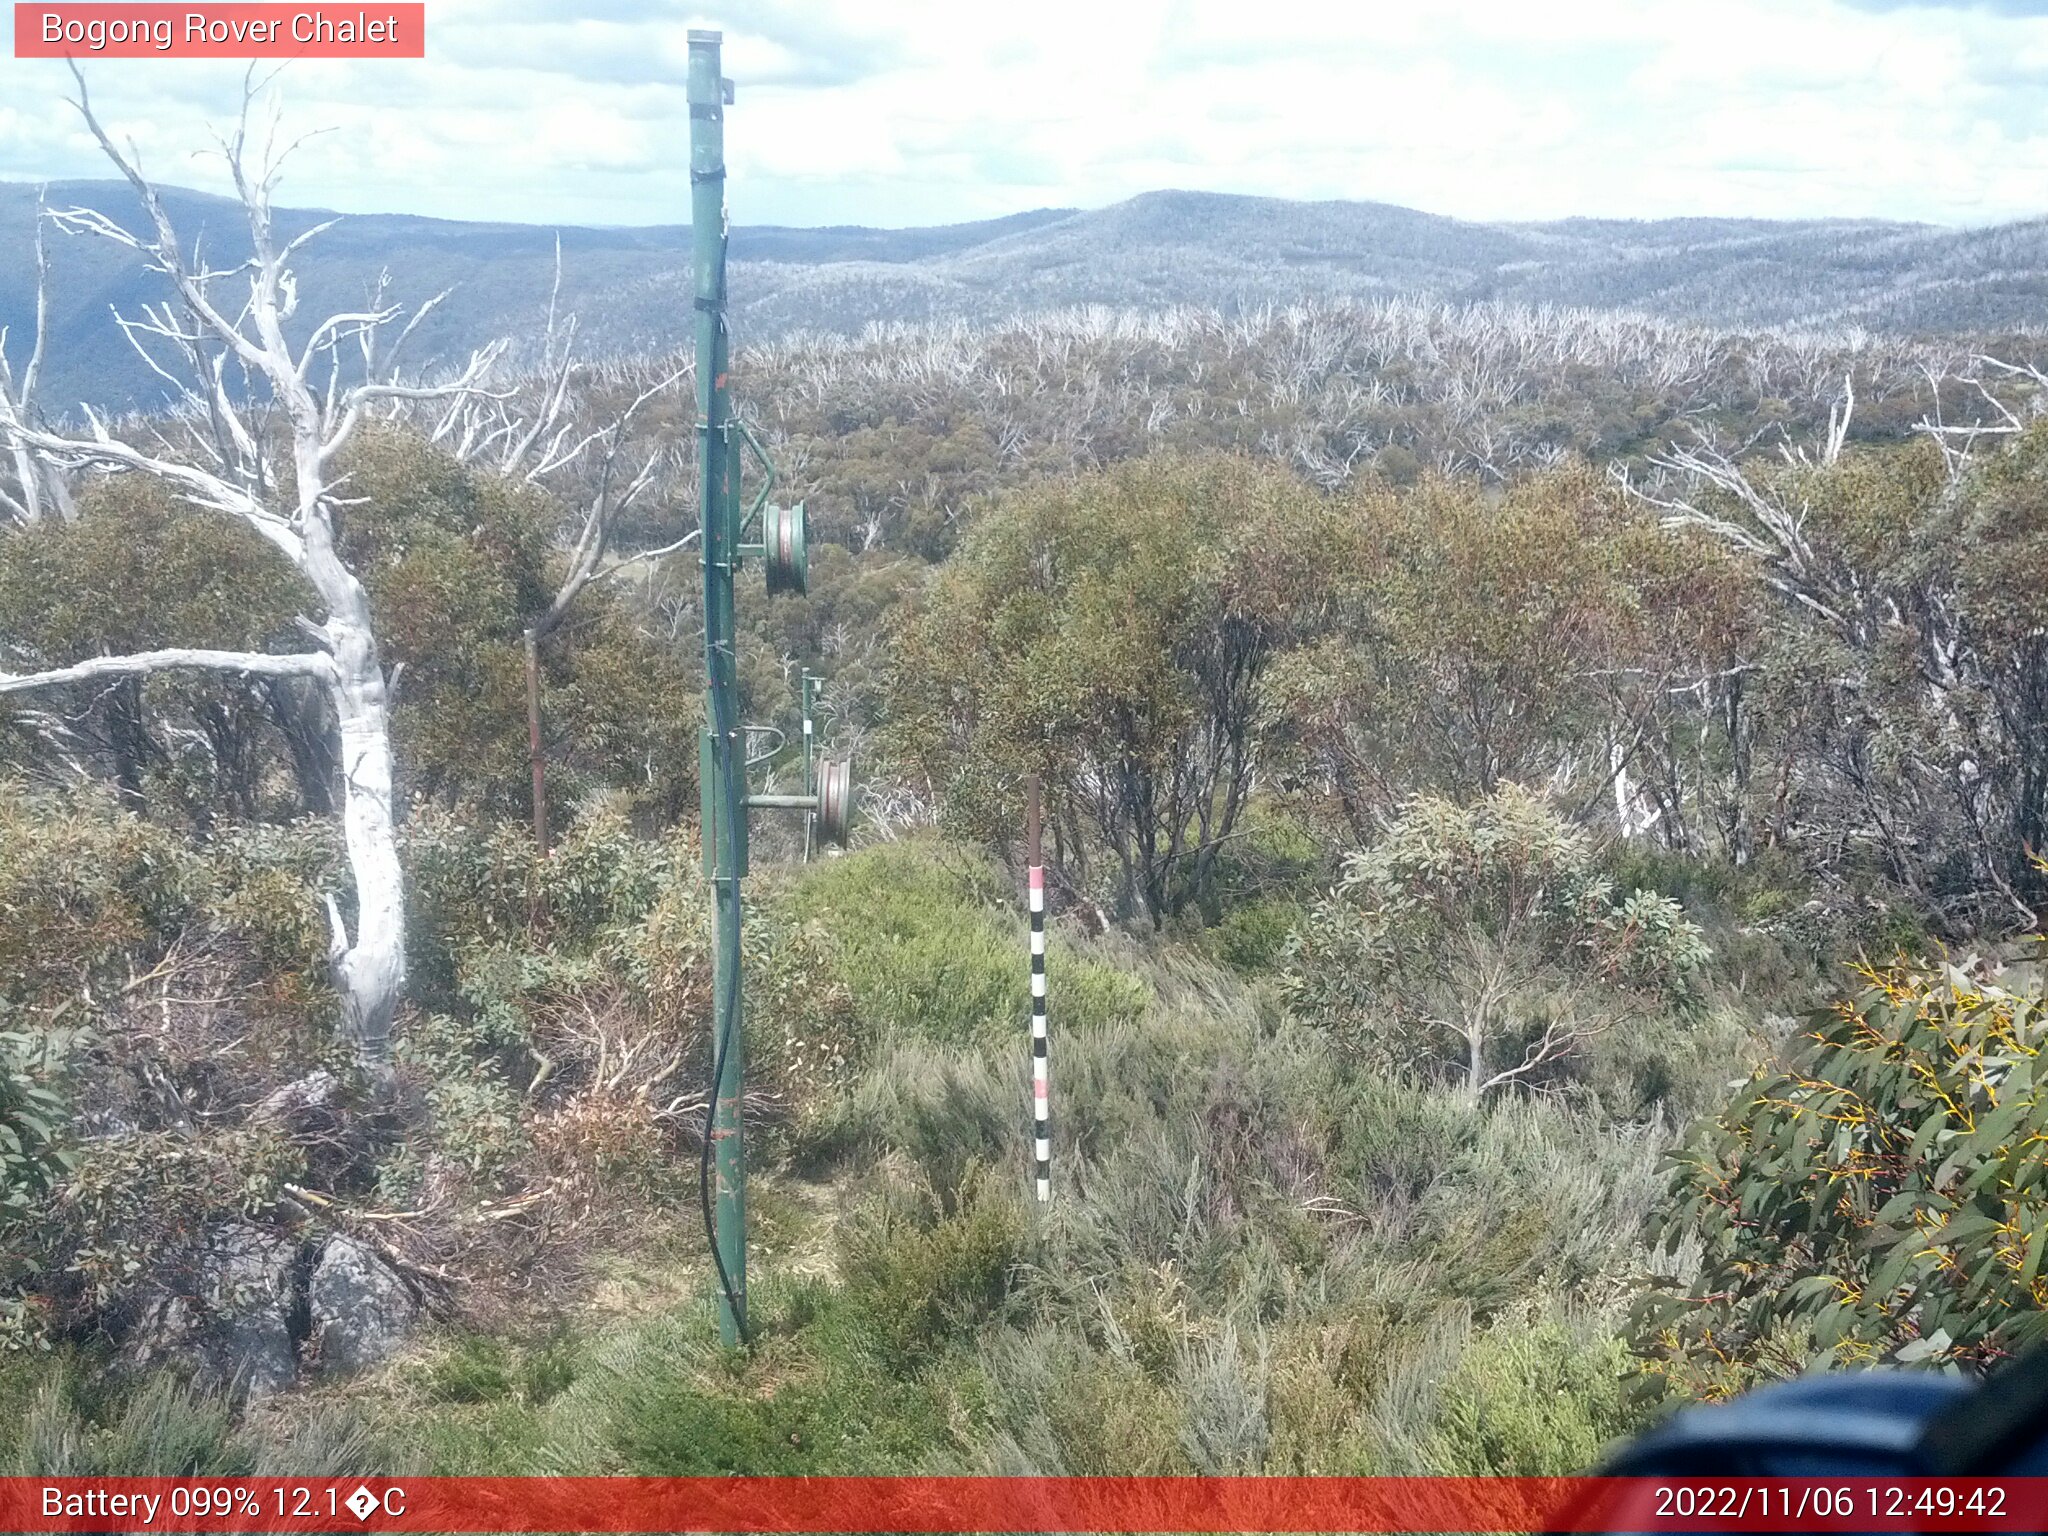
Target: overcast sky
[[901, 112]]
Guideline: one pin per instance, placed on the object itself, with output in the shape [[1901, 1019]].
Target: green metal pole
[[723, 794]]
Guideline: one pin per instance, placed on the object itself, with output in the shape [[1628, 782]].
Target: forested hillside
[[1151, 253], [1544, 814]]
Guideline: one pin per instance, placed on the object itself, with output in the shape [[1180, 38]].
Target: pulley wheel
[[835, 800], [787, 561]]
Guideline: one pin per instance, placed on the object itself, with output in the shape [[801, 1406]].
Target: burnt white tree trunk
[[37, 490], [369, 973], [224, 465]]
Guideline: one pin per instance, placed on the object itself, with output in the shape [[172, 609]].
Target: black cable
[[729, 945], [718, 1057], [729, 957]]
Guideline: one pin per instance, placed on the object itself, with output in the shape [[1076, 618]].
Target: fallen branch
[[429, 1286]]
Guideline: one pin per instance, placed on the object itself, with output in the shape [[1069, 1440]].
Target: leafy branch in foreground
[[1882, 1195]]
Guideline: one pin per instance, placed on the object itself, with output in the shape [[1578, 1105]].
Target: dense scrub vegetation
[[1436, 835]]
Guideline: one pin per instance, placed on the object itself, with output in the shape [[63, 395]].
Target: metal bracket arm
[[768, 478]]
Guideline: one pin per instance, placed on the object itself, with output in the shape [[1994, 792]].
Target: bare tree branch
[[251, 663]]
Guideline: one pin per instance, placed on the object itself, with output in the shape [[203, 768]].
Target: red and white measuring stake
[[1041, 1132]]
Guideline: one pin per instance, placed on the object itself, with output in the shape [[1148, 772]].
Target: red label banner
[[221, 31], [993, 1504]]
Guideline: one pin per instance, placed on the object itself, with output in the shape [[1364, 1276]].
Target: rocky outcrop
[[225, 1310], [310, 1104], [248, 1309], [359, 1309]]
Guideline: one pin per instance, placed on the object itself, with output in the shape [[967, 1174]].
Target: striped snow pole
[[1041, 1133]]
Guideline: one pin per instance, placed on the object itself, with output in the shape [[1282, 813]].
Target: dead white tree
[[219, 453], [1958, 440], [37, 490], [1749, 514], [1939, 766]]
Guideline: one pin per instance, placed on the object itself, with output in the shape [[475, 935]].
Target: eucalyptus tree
[[1876, 1192], [254, 437], [1115, 634], [539, 434]]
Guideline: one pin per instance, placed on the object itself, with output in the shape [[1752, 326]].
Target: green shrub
[[271, 878], [132, 1201], [34, 1158], [584, 973], [32, 1154], [467, 886], [1532, 1397], [804, 1040], [932, 946], [478, 888], [1774, 939], [602, 876], [1252, 938], [1272, 858], [137, 570], [84, 888], [477, 1120], [688, 1431], [1114, 631], [1481, 944], [817, 1395], [926, 1278]]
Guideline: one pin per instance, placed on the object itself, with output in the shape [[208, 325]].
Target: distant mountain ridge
[[630, 285]]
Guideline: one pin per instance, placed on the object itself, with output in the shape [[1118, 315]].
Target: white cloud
[[912, 111]]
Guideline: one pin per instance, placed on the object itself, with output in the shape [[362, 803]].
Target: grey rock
[[223, 1307], [361, 1309], [300, 1105]]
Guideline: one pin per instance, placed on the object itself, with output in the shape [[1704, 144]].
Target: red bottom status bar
[[1021, 1504]]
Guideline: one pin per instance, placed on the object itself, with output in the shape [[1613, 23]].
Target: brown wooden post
[[533, 752]]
